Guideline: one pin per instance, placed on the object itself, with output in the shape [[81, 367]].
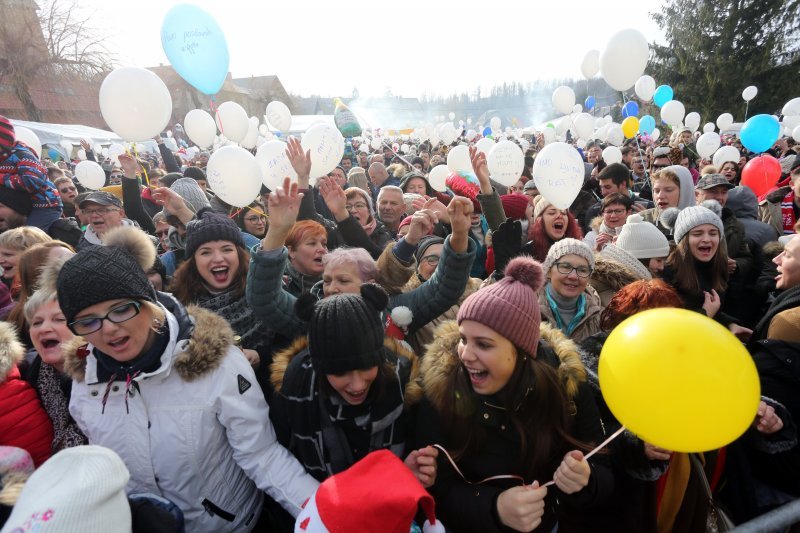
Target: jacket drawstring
[[128, 382]]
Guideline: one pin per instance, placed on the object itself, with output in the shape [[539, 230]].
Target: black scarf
[[253, 334]]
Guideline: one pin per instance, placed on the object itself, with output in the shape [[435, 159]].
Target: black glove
[[507, 244]]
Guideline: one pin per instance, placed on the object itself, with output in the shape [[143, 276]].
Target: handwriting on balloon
[[191, 38]]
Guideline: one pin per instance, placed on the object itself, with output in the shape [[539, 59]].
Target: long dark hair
[[537, 405], [686, 279], [187, 284]]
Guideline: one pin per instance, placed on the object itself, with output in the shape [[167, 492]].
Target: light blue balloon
[[647, 124], [662, 95], [760, 132], [196, 47]]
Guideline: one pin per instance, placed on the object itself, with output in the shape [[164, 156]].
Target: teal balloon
[[662, 95], [630, 109], [760, 132], [196, 47], [647, 124]]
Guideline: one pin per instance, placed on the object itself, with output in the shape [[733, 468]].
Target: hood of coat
[[743, 203], [611, 274], [208, 344], [441, 361], [776, 196], [11, 350], [281, 360]]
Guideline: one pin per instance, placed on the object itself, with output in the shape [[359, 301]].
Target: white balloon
[[114, 151], [375, 143], [484, 145], [67, 146], [590, 65], [470, 135], [275, 166], [709, 126], [200, 127], [707, 144], [796, 134], [577, 108], [327, 148], [615, 135], [624, 59], [90, 175], [447, 133], [558, 172], [563, 99], [612, 154], [451, 115], [232, 121], [524, 144], [263, 130], [645, 87], [437, 177], [28, 137], [791, 122], [549, 135], [495, 123], [692, 121], [563, 125], [279, 116], [792, 107], [234, 175], [404, 148], [82, 154], [724, 121], [725, 154], [749, 93], [673, 112], [607, 119], [581, 144], [584, 125], [249, 141], [135, 103], [506, 161], [458, 159], [656, 134]]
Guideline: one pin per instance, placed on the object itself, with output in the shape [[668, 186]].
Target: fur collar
[[207, 346], [441, 360], [611, 273], [11, 350], [281, 360]]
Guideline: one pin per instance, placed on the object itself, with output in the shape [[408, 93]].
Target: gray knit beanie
[[192, 195], [566, 247], [694, 216]]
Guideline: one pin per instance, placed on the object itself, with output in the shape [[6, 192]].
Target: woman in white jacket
[[164, 387]]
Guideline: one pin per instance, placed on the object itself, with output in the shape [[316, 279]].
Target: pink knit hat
[[510, 306]]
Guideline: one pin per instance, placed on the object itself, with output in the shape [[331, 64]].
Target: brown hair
[[682, 262], [187, 284], [665, 173], [638, 296]]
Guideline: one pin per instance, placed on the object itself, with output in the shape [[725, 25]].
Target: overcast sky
[[328, 47]]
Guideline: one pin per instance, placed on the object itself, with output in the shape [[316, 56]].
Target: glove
[[507, 244]]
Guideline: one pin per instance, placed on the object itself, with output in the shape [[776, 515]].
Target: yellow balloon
[[630, 126], [679, 380]]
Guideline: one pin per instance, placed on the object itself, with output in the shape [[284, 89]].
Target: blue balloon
[[196, 47], [759, 133], [589, 103], [487, 131], [630, 109], [647, 124], [662, 95]]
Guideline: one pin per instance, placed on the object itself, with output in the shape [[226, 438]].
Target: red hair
[[542, 242], [635, 297], [303, 230]]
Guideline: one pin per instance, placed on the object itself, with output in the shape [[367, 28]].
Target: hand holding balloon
[[573, 473], [767, 420]]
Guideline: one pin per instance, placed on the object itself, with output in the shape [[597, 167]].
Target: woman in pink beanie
[[506, 396]]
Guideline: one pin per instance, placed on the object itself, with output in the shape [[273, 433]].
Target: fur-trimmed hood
[[776, 196], [209, 338], [11, 350], [611, 274], [441, 360], [281, 360]]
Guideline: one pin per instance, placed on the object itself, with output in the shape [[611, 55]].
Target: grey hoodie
[[744, 204]]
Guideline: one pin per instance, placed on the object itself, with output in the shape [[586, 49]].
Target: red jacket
[[23, 421]]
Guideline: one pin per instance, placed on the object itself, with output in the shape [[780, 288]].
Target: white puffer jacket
[[196, 431]]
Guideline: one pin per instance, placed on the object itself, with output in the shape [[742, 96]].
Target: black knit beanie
[[210, 226], [19, 201], [345, 331], [425, 243]]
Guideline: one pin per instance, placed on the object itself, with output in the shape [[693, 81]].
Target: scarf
[[370, 226], [558, 307], [787, 213], [54, 393], [253, 334]]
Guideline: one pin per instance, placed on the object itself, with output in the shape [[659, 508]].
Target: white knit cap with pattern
[[641, 239], [566, 247], [540, 203], [694, 216], [80, 489], [615, 253]]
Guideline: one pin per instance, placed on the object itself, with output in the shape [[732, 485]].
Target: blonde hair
[[159, 316], [667, 174], [22, 238], [709, 169]]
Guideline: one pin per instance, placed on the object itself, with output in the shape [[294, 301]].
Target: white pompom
[[433, 528], [402, 316]]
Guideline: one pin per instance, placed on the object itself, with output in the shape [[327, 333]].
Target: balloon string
[[144, 170], [588, 456], [746, 108], [232, 215], [215, 111]]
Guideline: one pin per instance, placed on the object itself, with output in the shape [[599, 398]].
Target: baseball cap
[[710, 181], [102, 198]]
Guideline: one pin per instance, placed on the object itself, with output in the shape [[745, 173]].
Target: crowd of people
[[236, 358]]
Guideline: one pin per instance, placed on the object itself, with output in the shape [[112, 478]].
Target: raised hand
[[300, 160], [481, 169], [422, 223], [129, 165], [334, 197]]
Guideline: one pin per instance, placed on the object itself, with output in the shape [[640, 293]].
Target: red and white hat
[[378, 493]]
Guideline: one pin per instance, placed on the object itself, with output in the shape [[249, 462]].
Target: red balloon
[[761, 174]]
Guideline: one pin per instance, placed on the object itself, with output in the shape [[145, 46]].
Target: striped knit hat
[[510, 306], [7, 136]]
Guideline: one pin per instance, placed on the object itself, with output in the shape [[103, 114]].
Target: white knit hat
[[641, 239], [78, 490], [540, 203], [566, 247], [694, 216], [615, 253]]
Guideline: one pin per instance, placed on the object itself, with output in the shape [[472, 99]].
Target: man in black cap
[[102, 211]]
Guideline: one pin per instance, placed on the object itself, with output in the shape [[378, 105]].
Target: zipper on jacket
[[213, 509]]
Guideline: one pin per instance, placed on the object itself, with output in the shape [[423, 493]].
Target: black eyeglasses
[[565, 269], [117, 315]]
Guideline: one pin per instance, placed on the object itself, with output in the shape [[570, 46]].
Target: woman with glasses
[[614, 211], [251, 219], [567, 300], [164, 387]]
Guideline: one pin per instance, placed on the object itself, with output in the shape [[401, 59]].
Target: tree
[[55, 43], [716, 48]]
